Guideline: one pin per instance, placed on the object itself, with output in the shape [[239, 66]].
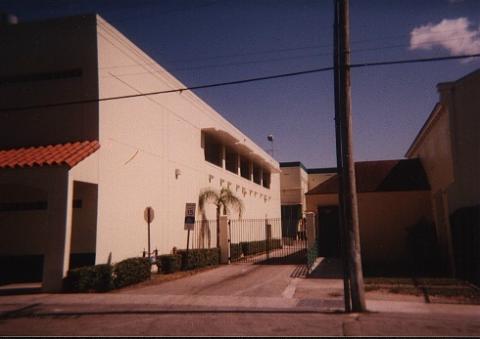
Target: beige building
[[295, 181], [393, 195], [77, 170], [448, 145]]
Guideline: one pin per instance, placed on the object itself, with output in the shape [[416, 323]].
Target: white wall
[[143, 141]]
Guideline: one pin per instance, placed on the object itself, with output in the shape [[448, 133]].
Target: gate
[[268, 241]]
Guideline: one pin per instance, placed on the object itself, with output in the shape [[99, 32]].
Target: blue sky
[[207, 41]]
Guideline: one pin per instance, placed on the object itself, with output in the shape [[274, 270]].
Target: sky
[[208, 41]]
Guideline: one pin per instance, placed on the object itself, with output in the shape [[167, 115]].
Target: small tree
[[224, 200]]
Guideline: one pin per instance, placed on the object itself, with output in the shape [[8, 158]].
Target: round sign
[[149, 214]]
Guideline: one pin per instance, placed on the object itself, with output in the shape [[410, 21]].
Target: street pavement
[[240, 299]]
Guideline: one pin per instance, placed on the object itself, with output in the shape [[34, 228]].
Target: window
[[213, 150], [266, 179], [257, 174], [244, 168], [231, 160]]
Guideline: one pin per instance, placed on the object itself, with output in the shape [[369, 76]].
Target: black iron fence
[[268, 241]]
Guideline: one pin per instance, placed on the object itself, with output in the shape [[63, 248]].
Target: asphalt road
[[244, 299]]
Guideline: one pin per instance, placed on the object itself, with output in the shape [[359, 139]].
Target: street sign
[[189, 215], [149, 214]]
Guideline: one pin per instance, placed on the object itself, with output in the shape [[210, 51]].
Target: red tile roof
[[68, 154], [382, 176]]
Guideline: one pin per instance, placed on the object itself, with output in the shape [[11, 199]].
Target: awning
[[241, 148], [68, 154]]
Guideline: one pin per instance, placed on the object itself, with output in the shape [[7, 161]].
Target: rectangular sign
[[189, 216]]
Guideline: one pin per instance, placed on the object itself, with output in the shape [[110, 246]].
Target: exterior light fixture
[[177, 173], [270, 138]]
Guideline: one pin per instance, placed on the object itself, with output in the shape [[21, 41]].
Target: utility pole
[[348, 167], [341, 188]]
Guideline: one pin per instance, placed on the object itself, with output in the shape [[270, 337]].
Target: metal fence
[[268, 241], [204, 234]]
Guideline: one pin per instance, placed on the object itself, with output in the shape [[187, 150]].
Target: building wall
[[25, 230], [435, 151], [384, 218], [315, 179], [144, 141], [294, 185], [47, 63], [462, 100]]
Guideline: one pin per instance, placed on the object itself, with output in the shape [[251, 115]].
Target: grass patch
[[453, 289]]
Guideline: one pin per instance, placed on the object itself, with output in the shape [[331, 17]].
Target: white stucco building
[[75, 178]]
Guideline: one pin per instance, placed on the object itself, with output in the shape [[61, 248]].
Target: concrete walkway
[[241, 299]]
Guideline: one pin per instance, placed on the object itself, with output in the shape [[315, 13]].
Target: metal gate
[[268, 241]]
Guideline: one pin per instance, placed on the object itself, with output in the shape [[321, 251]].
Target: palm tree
[[224, 200]]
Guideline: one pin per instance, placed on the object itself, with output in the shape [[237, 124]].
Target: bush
[[131, 271], [275, 243], [96, 278], [169, 263], [235, 251], [198, 258], [253, 247]]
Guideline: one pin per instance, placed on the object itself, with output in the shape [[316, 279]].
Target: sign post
[[149, 214], [189, 220]]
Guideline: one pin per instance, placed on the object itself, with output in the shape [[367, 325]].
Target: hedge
[[253, 247], [131, 271], [169, 263], [235, 251], [198, 258], [96, 278]]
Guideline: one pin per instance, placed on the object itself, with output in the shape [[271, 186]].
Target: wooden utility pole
[[341, 189], [348, 168]]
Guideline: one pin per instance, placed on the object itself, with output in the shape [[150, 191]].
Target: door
[[328, 232]]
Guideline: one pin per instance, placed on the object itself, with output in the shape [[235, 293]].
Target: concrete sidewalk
[[48, 318], [186, 315], [232, 300]]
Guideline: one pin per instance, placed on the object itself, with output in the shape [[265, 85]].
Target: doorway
[[328, 232]]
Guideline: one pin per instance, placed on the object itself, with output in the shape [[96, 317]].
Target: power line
[[227, 83], [238, 82], [308, 47], [411, 61], [286, 58]]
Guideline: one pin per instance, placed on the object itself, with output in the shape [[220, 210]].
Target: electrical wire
[[251, 62], [308, 47], [238, 82]]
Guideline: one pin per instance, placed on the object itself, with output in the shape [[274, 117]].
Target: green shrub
[[254, 247], [169, 263], [275, 243], [131, 271], [198, 258], [96, 278], [235, 251], [312, 254]]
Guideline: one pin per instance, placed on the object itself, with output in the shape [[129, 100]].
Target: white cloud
[[455, 35]]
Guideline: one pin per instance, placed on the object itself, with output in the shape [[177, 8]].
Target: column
[[223, 240], [57, 248], [311, 229]]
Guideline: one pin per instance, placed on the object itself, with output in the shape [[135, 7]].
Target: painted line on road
[[289, 291]]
